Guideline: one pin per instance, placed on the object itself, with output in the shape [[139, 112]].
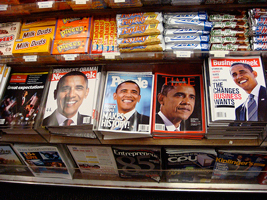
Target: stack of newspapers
[[236, 98]]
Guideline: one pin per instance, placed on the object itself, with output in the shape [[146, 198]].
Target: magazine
[[189, 165], [231, 80], [71, 100], [138, 162], [21, 101], [239, 164], [94, 159], [46, 161], [10, 162], [4, 81], [179, 109], [127, 105]]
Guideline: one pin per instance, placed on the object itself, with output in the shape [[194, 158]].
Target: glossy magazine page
[[125, 109]]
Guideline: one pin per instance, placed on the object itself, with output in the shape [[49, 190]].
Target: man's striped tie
[[252, 109]]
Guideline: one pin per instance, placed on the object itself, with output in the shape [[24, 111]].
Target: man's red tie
[[67, 122]]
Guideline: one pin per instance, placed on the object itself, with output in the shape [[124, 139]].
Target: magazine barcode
[[221, 114], [143, 128], [86, 120], [160, 127], [2, 121]]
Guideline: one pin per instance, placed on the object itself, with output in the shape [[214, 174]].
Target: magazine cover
[[21, 100], [2, 70], [237, 89], [138, 162], [71, 97], [4, 81], [239, 164], [179, 162], [94, 159], [127, 103], [178, 106], [9, 161], [45, 161]]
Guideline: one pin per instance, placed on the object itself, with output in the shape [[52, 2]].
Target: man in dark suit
[[177, 103], [245, 77], [70, 92], [127, 95]]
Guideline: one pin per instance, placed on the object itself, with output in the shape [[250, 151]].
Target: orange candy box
[[71, 46], [67, 28]]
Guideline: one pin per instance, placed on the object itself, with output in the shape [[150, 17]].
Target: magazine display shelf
[[115, 182], [103, 181], [60, 8], [122, 57]]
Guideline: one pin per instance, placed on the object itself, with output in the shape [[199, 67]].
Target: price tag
[[80, 1], [111, 55], [183, 54], [45, 4], [3, 7], [119, 1], [70, 56], [219, 54], [30, 58]]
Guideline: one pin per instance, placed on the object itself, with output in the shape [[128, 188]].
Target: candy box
[[37, 32], [38, 22], [71, 46], [32, 46], [6, 44], [73, 28]]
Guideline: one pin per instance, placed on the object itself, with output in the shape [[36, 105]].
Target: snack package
[[71, 46], [67, 28]]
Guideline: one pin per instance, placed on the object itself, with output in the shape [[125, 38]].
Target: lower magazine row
[[164, 102], [160, 164]]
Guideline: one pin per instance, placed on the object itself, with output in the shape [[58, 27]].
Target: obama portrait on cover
[[177, 103], [254, 108], [70, 92]]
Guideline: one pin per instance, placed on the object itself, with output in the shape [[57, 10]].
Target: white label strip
[[219, 54], [183, 54], [119, 1], [111, 55], [80, 1], [3, 7], [70, 56], [45, 4], [30, 58]]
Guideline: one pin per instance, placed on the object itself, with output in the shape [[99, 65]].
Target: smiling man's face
[[244, 78], [179, 103], [127, 96], [71, 94]]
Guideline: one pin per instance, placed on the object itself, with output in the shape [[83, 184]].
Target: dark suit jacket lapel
[[262, 101]]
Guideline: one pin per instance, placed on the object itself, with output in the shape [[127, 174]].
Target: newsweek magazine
[[72, 98], [238, 164], [94, 159], [178, 107], [229, 88], [20, 105], [126, 112], [138, 162], [179, 162], [49, 161]]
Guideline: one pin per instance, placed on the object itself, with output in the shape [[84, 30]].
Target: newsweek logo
[[253, 62], [88, 74], [7, 38]]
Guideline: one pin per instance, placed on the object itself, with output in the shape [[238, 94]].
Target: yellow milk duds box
[[38, 22], [32, 46], [42, 31]]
